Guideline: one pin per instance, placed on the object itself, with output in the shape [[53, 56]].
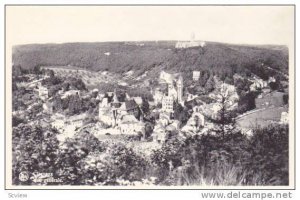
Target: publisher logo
[[23, 176]]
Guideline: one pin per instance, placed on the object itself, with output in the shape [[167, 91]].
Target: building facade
[[167, 103], [196, 75]]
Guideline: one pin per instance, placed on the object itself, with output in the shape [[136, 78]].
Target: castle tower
[[192, 37], [180, 89]]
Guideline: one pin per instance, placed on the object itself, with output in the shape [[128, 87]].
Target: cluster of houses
[[125, 116], [258, 83], [174, 92], [200, 109]]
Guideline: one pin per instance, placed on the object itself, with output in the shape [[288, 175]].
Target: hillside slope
[[121, 57]]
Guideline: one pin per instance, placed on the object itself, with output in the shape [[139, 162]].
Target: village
[[118, 114], [149, 97]]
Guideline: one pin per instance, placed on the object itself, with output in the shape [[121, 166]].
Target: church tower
[[180, 89]]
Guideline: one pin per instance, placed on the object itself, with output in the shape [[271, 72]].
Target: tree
[[57, 103], [203, 78], [285, 98], [34, 150], [225, 123], [17, 70], [16, 121], [145, 106], [53, 90], [229, 80], [247, 101], [197, 121], [50, 73], [14, 86], [181, 113], [148, 129], [273, 85], [75, 104], [197, 90], [269, 155], [73, 84], [66, 86], [210, 84], [37, 70], [242, 85], [52, 81]]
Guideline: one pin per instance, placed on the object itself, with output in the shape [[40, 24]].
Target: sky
[[229, 24]]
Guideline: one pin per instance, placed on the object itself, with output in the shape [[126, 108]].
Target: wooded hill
[[120, 57]]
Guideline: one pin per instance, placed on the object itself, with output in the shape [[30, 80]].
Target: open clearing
[[261, 117]]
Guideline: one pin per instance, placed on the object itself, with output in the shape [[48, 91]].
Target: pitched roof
[[131, 104], [138, 100]]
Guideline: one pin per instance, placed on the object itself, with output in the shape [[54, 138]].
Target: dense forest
[[121, 57]]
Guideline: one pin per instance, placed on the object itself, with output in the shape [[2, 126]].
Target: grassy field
[[90, 78], [273, 98], [261, 117], [100, 79]]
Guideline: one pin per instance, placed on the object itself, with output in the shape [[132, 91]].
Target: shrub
[[261, 159], [285, 98], [72, 152], [269, 156], [35, 149], [117, 162]]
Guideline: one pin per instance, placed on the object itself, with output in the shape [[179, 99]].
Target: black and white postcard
[[150, 97]]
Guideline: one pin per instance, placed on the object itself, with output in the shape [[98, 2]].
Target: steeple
[[115, 103], [115, 99], [180, 89]]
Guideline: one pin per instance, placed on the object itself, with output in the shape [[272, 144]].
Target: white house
[[43, 91], [196, 75], [77, 120], [130, 125], [48, 107], [284, 118], [168, 78], [271, 80], [58, 121], [70, 93], [164, 119], [258, 83], [159, 133], [157, 96]]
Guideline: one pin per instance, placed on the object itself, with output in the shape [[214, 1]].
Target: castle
[[189, 44]]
